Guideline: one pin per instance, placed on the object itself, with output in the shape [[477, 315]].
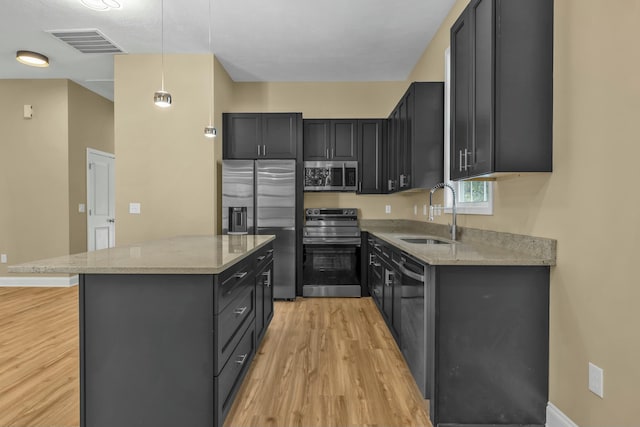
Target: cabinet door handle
[[466, 159], [264, 150], [327, 156], [360, 187], [239, 311], [460, 168], [333, 152], [260, 258], [258, 150], [267, 283], [240, 275], [240, 360]]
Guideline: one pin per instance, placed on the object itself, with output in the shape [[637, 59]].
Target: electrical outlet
[[81, 208], [387, 209], [3, 258], [134, 208], [596, 380]]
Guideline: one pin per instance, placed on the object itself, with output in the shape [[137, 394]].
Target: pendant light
[[162, 98], [209, 130]]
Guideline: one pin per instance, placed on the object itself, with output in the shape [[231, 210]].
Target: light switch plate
[[596, 380], [387, 209], [134, 208], [3, 258], [81, 208]]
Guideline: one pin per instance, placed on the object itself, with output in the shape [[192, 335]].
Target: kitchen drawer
[[230, 324], [231, 283], [263, 256], [228, 382]]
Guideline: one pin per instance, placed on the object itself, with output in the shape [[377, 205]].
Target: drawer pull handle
[[260, 258], [270, 251], [241, 359], [240, 311], [240, 275], [267, 274]]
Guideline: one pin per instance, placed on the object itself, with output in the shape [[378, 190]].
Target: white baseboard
[[557, 418], [39, 281]]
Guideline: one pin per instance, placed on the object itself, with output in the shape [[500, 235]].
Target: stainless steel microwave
[[330, 176]]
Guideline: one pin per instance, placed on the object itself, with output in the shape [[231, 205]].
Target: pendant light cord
[[162, 40], [212, 60]]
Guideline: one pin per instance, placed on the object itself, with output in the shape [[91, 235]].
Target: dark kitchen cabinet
[[370, 155], [330, 139], [416, 137], [502, 88], [261, 135], [264, 291], [476, 338]]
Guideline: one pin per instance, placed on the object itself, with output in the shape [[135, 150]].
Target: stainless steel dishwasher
[[415, 303]]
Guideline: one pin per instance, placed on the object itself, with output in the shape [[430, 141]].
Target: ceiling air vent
[[87, 40]]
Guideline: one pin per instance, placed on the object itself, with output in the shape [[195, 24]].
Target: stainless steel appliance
[[331, 257], [266, 189], [330, 176]]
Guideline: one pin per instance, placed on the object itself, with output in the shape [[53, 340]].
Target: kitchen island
[[168, 328]]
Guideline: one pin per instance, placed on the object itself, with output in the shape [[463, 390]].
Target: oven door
[[331, 270]]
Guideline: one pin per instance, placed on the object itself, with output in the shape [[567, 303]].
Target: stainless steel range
[[331, 266]]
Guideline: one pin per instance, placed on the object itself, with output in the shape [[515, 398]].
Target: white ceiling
[[255, 40]]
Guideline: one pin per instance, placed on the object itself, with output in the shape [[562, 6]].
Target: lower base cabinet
[[476, 339], [169, 350]]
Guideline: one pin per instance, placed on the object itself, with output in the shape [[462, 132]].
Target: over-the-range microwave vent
[[88, 40]]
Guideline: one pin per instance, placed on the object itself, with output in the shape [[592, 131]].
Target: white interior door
[[101, 210]]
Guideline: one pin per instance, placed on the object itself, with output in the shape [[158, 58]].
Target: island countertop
[[176, 255]]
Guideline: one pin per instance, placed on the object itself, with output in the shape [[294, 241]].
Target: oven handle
[[330, 240]]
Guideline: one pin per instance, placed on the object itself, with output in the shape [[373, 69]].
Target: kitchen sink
[[423, 241]]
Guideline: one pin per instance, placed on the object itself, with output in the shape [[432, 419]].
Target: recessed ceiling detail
[[86, 40]]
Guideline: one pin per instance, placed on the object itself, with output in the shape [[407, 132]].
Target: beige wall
[[90, 126], [34, 220], [163, 159], [223, 97], [594, 290]]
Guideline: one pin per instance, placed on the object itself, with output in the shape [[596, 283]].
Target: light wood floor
[[328, 362], [39, 357], [324, 362]]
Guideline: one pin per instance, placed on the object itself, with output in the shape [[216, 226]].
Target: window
[[472, 197]]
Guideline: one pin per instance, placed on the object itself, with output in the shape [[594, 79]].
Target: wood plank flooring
[[328, 362], [39, 357], [324, 362]]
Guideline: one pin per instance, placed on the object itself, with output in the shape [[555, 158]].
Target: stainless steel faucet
[[453, 210]]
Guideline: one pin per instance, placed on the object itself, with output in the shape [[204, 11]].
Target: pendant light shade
[[162, 98], [210, 132], [33, 59]]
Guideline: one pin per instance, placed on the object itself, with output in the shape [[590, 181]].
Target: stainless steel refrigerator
[[267, 189]]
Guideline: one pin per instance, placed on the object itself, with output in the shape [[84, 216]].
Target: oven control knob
[[309, 211], [316, 211]]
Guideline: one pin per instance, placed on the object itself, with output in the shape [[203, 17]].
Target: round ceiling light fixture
[[33, 59], [101, 5]]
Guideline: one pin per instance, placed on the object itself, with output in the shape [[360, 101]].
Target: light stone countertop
[[477, 247], [176, 255]]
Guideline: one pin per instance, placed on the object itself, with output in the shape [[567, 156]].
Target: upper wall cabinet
[[371, 139], [330, 139], [502, 88], [260, 135], [416, 136]]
